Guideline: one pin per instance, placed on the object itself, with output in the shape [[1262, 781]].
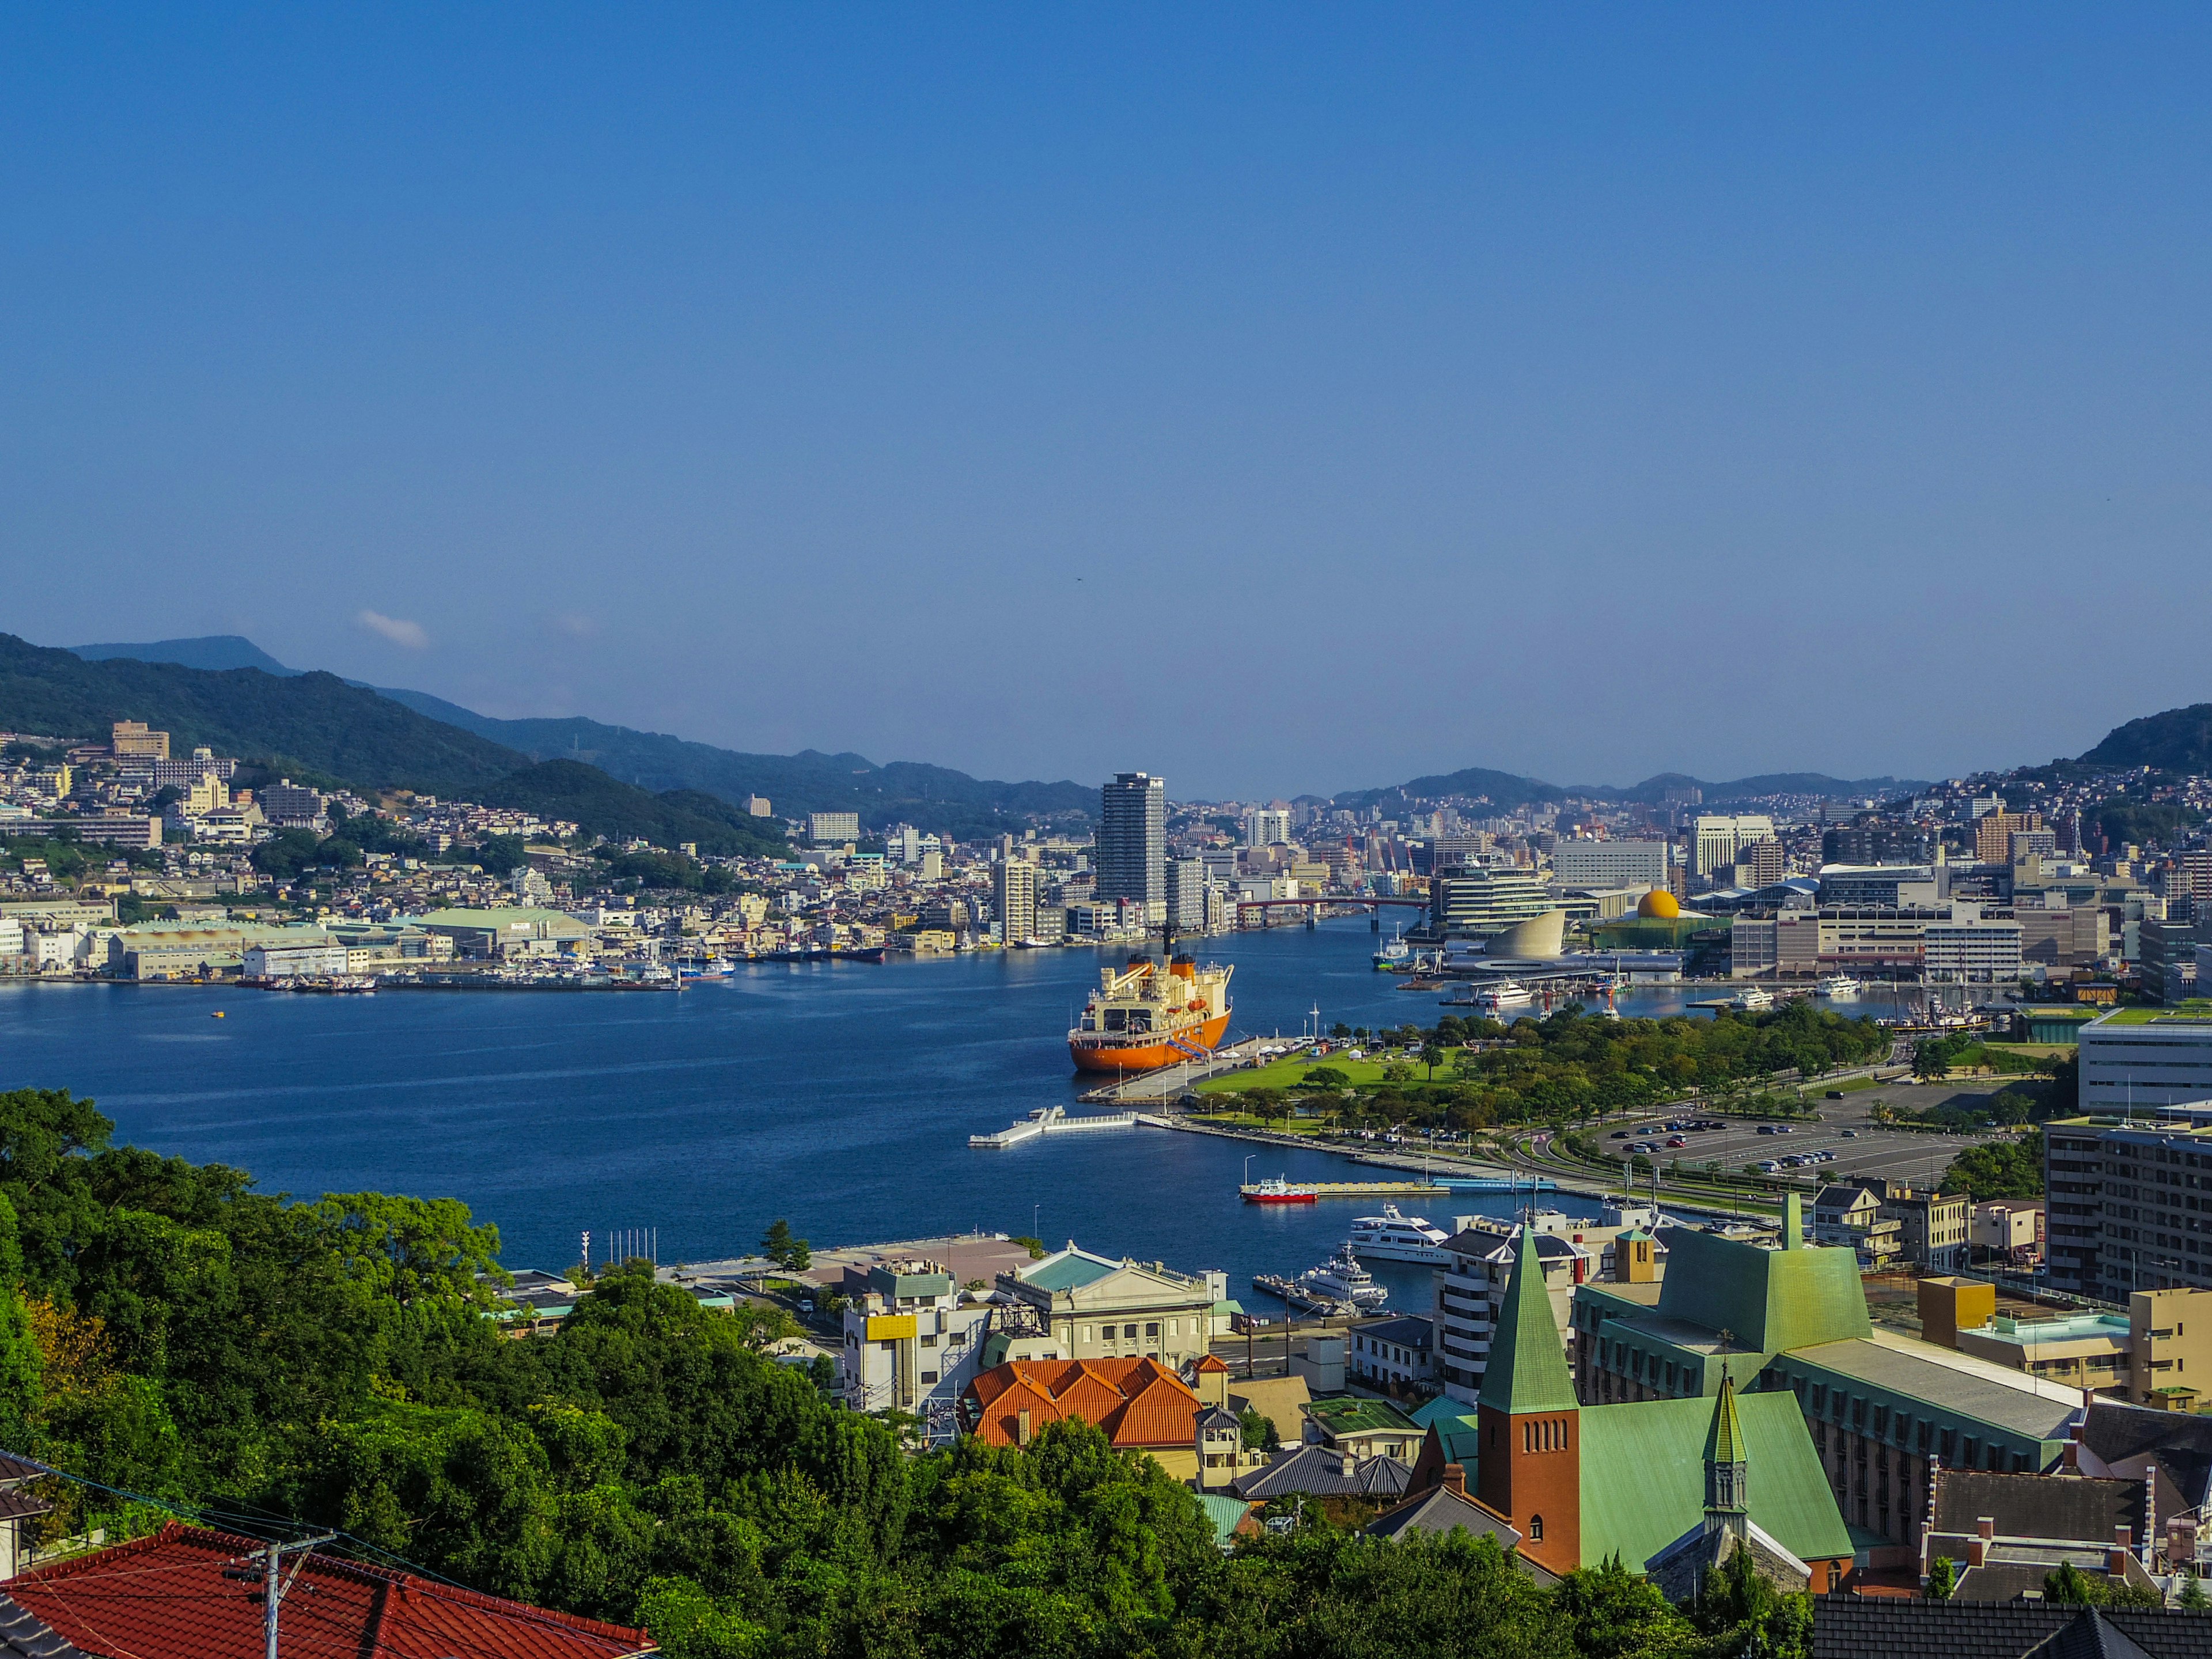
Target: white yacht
[[1752, 1000], [1504, 994], [1841, 988], [1342, 1278], [1392, 1237]]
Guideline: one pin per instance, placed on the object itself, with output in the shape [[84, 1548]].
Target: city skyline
[[787, 383]]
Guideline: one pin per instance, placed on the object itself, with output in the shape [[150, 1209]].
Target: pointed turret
[[1727, 1501], [1527, 1367], [1529, 1422]]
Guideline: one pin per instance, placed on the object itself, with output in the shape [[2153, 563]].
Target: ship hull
[[1145, 1056]]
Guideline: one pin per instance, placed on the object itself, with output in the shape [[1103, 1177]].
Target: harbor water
[[839, 1096]]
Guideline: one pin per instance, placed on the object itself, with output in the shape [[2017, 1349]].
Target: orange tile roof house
[[183, 1593], [1140, 1404]]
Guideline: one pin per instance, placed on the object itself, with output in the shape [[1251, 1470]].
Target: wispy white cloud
[[399, 632], [575, 624]]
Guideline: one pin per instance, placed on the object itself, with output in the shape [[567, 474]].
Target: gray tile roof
[[25, 1636], [1947, 1388], [1896, 1627], [1318, 1472], [2042, 1506]]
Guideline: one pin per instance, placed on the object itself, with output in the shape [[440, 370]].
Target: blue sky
[[1276, 398]]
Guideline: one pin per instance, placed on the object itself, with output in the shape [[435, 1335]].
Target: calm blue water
[[839, 1096]]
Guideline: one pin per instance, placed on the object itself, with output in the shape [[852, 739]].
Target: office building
[[286, 803], [132, 831], [1133, 843], [1970, 949], [912, 1343], [1479, 903], [829, 829], [1266, 828], [1890, 884], [322, 958], [131, 738], [2133, 1059], [1761, 864], [1721, 839], [1013, 896], [1187, 895], [1611, 863], [1877, 843], [1094, 1307], [2058, 937]]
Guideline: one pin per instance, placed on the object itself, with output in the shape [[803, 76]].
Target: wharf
[[1368, 1188]]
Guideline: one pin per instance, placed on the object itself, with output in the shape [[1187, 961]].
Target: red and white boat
[[1278, 1191]]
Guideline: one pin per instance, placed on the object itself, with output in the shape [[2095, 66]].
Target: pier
[[1055, 1121]]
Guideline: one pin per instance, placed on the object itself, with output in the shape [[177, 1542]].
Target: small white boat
[[1841, 988], [1753, 1000], [1392, 1237], [1343, 1279]]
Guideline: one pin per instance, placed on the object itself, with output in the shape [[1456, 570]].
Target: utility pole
[[275, 1583]]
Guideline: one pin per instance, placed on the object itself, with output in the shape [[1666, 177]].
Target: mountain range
[[933, 798], [224, 691]]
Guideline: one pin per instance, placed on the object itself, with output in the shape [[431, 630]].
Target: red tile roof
[[1139, 1402], [166, 1597]]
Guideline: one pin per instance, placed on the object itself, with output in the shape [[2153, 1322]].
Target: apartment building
[[2131, 1204], [912, 1342], [1014, 896], [1611, 863], [2143, 1356], [1722, 839]]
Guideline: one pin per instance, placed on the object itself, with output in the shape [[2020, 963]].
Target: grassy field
[[1290, 1073]]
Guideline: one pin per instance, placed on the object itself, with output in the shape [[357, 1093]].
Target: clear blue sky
[[1279, 399]]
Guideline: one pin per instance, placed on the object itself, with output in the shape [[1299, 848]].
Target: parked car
[[1676, 1140], [1850, 1135]]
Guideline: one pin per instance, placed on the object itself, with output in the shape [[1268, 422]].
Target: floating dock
[[1371, 1188], [1054, 1120]]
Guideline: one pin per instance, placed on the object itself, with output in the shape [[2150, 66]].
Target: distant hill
[[2179, 741], [604, 806], [310, 723], [212, 651], [1507, 789], [315, 725], [933, 798]]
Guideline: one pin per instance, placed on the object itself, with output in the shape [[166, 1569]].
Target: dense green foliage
[[2179, 740], [166, 1330], [2123, 819], [2003, 1168], [1574, 1065], [604, 806], [2072, 1587], [304, 722], [932, 798]]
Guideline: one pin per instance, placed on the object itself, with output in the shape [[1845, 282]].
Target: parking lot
[[1917, 1159]]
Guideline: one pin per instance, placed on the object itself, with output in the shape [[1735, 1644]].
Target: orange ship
[[1140, 1018]]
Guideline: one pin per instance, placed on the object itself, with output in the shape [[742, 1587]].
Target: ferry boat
[[1392, 1237], [1752, 1001], [1278, 1191], [1342, 1278], [1146, 1015], [1841, 988], [1507, 994]]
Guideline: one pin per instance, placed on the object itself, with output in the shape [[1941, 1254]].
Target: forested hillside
[[311, 724], [189, 1343]]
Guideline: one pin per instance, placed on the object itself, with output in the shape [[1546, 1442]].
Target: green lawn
[[1290, 1073]]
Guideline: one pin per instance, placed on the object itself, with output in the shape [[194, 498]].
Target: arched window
[[1535, 1528]]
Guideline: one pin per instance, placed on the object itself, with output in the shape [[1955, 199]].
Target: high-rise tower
[[1133, 843]]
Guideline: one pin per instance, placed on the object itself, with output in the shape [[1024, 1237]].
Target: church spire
[[1528, 1368], [1728, 1502]]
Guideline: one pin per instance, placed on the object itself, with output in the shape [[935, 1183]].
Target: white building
[[1970, 949], [912, 1343], [1611, 863], [2146, 1057], [1720, 838], [833, 827], [1014, 897], [1187, 895], [1266, 828], [307, 959]]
